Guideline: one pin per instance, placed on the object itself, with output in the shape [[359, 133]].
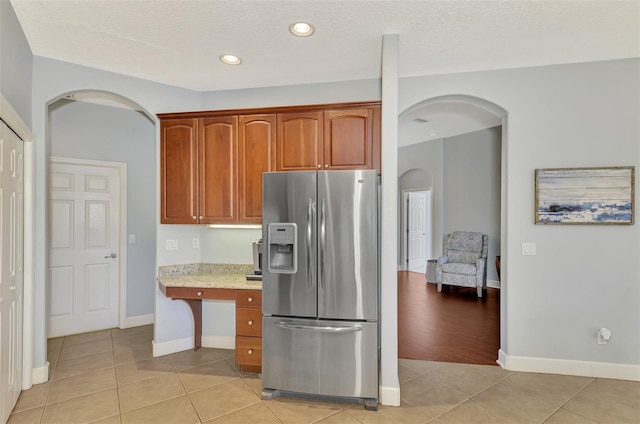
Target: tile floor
[[110, 377]]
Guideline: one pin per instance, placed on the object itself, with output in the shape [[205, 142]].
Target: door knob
[[113, 255]]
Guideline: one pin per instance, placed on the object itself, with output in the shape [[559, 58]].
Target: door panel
[[217, 153], [300, 141], [334, 358], [178, 171], [347, 258], [256, 154], [417, 231], [11, 269], [348, 140], [84, 214], [290, 197]]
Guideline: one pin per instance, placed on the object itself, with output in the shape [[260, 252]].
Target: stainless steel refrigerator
[[320, 298]]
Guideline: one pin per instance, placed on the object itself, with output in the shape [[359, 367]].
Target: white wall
[[16, 63], [583, 277], [472, 188], [89, 131]]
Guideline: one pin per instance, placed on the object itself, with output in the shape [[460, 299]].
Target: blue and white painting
[[584, 196]]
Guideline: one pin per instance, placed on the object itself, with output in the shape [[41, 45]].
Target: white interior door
[[11, 268], [84, 254], [418, 230]]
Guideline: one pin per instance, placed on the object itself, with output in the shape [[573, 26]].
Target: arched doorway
[[474, 113], [98, 129]]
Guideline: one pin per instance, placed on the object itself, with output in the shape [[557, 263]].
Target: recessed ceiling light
[[301, 29], [230, 59]]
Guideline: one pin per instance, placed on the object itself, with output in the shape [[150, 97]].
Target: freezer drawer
[[333, 358]]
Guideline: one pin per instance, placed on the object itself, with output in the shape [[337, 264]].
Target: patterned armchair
[[464, 262]]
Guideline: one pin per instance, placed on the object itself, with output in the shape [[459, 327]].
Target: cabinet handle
[[250, 322], [319, 166], [194, 217], [199, 293], [326, 165], [250, 351], [250, 299], [201, 217]]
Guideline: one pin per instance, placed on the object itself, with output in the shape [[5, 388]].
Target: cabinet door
[[256, 154], [299, 144], [217, 151], [348, 139], [178, 171]]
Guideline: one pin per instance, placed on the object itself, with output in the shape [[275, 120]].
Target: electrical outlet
[[196, 243], [529, 249], [132, 239], [172, 244]]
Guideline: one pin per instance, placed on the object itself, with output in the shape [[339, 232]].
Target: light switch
[[196, 243], [529, 249], [172, 244], [132, 239]]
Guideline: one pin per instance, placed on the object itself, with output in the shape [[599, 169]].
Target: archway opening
[[459, 142]]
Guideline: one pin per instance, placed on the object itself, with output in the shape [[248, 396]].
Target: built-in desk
[[194, 282]]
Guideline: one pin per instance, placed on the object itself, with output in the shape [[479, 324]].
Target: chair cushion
[[466, 240], [459, 268], [463, 256]]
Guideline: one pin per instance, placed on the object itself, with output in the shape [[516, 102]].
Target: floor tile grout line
[[593, 380]]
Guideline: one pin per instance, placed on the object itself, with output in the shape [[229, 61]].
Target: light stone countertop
[[219, 276]]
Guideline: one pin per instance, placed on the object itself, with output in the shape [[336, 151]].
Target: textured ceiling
[[179, 42]]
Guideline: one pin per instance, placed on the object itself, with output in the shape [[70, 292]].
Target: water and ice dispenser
[[283, 256]]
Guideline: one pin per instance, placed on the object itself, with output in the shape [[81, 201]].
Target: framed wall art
[[585, 195]]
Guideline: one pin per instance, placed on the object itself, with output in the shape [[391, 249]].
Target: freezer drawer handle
[[325, 329]]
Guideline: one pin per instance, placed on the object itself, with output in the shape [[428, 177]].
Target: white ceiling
[[178, 42]]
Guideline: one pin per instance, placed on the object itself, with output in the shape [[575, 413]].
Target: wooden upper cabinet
[[348, 139], [299, 145], [178, 171], [217, 151], [256, 154]]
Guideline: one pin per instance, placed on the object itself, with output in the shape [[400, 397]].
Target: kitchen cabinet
[[249, 330], [300, 145], [211, 163], [217, 179], [329, 139], [198, 171], [256, 154], [178, 171]]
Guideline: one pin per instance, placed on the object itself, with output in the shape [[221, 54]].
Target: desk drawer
[[248, 322], [249, 298], [199, 293], [248, 350]]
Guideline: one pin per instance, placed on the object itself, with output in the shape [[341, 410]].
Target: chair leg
[[439, 287], [479, 291]]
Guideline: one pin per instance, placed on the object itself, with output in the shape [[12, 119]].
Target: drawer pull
[[199, 293], [250, 322], [250, 351], [250, 299]]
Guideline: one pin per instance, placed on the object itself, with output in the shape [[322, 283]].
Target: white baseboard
[[138, 321], [179, 345], [569, 367], [172, 346], [389, 396], [40, 374], [219, 342], [493, 284]]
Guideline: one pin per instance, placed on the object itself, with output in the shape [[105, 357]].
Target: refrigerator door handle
[[323, 329], [321, 270], [308, 242]]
